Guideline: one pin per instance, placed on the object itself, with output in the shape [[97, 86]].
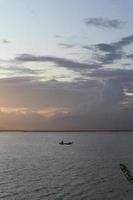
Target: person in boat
[[66, 143]]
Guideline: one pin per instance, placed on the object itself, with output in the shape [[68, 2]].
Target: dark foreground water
[[34, 166]]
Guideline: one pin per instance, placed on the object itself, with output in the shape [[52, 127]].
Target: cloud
[[115, 49], [118, 84], [45, 94], [6, 42], [115, 46], [104, 23], [106, 47], [130, 56], [47, 112], [16, 70], [80, 121], [59, 62], [67, 45], [129, 94], [103, 54], [124, 41], [37, 98], [109, 58], [58, 36], [107, 53], [98, 101]]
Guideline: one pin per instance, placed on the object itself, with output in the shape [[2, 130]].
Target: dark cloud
[[130, 56], [109, 58], [87, 47], [124, 77], [124, 41], [104, 53], [50, 93], [116, 83], [60, 62], [107, 53], [104, 23], [106, 47], [115, 50], [96, 102], [115, 46]]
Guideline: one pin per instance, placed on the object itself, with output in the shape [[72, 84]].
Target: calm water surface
[[34, 166]]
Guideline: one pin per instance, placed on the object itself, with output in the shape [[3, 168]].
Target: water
[[34, 166]]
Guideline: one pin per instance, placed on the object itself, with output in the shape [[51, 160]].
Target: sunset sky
[[66, 64]]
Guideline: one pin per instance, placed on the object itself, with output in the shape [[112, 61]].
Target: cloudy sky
[[66, 64]]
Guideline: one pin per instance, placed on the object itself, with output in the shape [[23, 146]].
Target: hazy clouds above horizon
[[66, 64]]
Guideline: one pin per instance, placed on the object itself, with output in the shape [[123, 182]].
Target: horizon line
[[69, 130]]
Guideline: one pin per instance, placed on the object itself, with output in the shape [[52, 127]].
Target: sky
[[66, 64]]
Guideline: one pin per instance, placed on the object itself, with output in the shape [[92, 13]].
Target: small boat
[[65, 143]]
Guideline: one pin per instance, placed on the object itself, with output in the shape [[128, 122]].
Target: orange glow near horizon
[[129, 94], [47, 112]]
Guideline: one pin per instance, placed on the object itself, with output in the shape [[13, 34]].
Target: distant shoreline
[[67, 130]]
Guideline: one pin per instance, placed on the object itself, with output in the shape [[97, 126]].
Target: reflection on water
[[34, 166]]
